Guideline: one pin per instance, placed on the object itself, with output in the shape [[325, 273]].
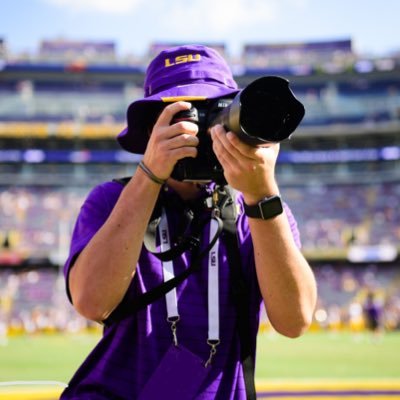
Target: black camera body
[[205, 167], [264, 112]]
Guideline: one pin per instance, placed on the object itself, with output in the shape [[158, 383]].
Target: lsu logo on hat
[[182, 59]]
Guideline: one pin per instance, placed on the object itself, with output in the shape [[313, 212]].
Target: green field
[[314, 356], [326, 355]]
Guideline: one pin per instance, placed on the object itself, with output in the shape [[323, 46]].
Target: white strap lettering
[[168, 267], [213, 286]]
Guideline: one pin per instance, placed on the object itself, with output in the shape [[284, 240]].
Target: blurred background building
[[62, 107]]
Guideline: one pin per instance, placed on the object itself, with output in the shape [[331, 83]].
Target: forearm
[[103, 271], [286, 280]]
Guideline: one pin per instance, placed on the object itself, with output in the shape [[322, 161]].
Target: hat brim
[[142, 114]]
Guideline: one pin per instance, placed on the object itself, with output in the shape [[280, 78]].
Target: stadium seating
[[335, 215], [340, 174], [34, 301], [338, 214]]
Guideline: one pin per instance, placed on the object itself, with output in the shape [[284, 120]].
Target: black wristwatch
[[267, 208]]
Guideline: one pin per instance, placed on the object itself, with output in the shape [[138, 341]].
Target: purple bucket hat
[[191, 73]]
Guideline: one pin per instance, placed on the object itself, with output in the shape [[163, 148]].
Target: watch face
[[271, 207], [265, 209]]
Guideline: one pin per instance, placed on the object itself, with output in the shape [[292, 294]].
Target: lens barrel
[[265, 111]]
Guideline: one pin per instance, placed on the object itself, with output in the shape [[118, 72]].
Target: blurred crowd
[[35, 301], [358, 297], [351, 298], [336, 216], [36, 223], [39, 220], [36, 219]]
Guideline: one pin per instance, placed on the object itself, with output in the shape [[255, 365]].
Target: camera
[[265, 111]]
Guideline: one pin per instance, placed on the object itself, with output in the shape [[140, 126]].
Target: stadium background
[[61, 108]]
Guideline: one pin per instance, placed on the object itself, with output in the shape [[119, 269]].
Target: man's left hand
[[251, 170]]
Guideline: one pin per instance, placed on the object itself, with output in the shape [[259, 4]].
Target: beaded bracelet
[[150, 174]]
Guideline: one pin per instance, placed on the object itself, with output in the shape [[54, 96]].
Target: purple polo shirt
[[130, 350]]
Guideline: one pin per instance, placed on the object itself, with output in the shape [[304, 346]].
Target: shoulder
[[106, 190], [104, 195]]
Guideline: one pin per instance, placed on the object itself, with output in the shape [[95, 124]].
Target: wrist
[[255, 198], [267, 208], [150, 175]]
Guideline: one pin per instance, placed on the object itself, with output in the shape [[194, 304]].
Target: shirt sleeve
[[293, 225], [93, 213], [289, 215]]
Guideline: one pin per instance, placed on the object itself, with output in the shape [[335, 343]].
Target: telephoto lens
[[265, 111]]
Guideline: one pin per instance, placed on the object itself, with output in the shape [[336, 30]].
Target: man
[[185, 344]]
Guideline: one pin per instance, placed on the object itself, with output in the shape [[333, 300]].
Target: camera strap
[[127, 307], [241, 296], [171, 298], [224, 215], [188, 241]]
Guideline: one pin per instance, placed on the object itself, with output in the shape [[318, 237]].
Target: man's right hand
[[170, 143]]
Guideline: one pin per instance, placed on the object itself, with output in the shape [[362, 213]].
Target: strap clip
[[213, 344]]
